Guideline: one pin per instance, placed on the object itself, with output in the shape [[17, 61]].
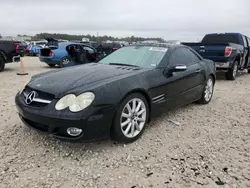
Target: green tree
[[42, 36]]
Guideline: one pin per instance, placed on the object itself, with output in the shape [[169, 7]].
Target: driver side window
[[176, 58], [183, 56]]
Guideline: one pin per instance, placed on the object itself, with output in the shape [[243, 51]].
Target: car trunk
[[212, 51], [45, 51]]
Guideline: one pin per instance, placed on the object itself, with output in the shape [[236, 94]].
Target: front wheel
[[248, 71], [207, 92], [130, 119], [232, 72], [2, 64]]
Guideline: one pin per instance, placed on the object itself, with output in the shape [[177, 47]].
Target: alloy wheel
[[209, 89], [133, 118], [65, 61], [235, 70]]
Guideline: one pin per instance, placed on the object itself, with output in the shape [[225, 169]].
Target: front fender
[[115, 92]]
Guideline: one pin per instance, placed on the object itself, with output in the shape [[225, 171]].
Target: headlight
[[75, 103]]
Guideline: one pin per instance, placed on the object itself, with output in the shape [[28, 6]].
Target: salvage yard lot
[[210, 147]]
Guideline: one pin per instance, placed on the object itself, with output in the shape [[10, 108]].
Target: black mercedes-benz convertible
[[118, 95]]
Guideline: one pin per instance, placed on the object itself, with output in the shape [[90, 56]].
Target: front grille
[[40, 94]]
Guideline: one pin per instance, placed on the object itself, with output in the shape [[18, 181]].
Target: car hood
[[66, 79]]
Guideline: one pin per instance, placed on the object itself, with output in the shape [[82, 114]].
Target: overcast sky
[[171, 19]]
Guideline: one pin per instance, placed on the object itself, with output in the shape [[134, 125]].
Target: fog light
[[73, 131]]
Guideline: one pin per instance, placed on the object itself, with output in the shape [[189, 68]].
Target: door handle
[[198, 70]]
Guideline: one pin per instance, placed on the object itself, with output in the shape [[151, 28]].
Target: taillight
[[51, 53], [16, 46], [228, 51]]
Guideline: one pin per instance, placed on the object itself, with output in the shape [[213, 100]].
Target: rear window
[[221, 38]]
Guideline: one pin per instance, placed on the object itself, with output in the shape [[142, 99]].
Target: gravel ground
[[209, 149]]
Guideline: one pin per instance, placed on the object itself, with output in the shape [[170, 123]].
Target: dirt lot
[[210, 149]]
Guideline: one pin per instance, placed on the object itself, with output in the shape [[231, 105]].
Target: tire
[[207, 92], [64, 61], [52, 65], [118, 132], [2, 64], [248, 71], [232, 72]]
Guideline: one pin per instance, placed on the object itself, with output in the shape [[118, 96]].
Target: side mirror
[[177, 68]]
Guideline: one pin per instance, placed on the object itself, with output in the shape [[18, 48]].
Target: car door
[[185, 86], [90, 53]]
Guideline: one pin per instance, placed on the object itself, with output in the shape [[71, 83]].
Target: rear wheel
[[232, 72], [2, 64], [208, 91], [64, 62], [248, 70], [130, 119]]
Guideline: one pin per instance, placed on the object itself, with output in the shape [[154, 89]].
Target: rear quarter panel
[[59, 54], [209, 67]]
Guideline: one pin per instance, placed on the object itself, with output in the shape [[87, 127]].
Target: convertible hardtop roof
[[164, 45]]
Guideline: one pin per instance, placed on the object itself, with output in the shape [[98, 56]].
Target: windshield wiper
[[123, 64]]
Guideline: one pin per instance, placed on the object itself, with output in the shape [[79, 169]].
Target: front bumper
[[95, 123]]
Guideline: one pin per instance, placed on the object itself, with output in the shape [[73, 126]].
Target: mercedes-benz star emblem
[[30, 97]]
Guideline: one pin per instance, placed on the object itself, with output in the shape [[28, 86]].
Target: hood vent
[[128, 68]]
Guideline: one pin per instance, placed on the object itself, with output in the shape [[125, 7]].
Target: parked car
[[68, 54], [11, 49], [118, 95], [109, 48], [34, 47], [33, 50], [3, 60], [230, 52], [22, 44]]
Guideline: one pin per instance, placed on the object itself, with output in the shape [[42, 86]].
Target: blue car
[[68, 54], [34, 47], [34, 50]]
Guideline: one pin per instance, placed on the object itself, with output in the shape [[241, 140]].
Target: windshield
[[142, 56]]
